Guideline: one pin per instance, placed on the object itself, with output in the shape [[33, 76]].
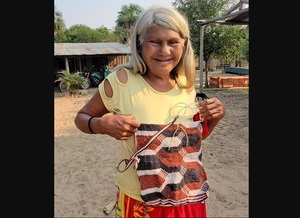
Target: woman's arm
[[212, 110], [93, 117]]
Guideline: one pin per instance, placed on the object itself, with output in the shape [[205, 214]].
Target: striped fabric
[[169, 169]]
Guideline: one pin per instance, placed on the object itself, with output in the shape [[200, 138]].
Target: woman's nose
[[165, 48]]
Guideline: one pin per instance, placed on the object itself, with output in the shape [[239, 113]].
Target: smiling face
[[161, 50]]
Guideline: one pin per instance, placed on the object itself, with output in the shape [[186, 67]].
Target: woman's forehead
[[161, 32]]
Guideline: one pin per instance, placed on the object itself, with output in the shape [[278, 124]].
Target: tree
[[220, 41], [199, 10], [235, 43], [59, 24], [126, 19], [80, 33], [83, 34], [105, 35]]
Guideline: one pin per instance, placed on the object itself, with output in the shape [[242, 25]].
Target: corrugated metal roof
[[67, 49]]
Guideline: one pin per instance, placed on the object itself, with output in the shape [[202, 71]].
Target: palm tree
[[59, 24], [126, 19]]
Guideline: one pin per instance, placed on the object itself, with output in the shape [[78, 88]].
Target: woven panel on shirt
[[169, 169]]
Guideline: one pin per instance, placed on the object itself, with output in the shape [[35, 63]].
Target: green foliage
[[200, 10], [222, 42], [126, 19], [226, 43], [61, 37], [105, 35], [245, 44], [73, 81], [83, 34], [59, 24]]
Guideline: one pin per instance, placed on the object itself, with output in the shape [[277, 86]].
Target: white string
[[136, 162], [183, 107]]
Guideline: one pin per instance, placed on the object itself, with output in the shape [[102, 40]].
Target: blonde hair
[[170, 18]]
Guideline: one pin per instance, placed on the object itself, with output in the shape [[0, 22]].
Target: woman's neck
[[159, 83]]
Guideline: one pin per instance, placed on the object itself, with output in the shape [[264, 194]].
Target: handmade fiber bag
[[169, 169]]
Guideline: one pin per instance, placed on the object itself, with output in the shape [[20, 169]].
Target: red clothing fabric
[[205, 130], [133, 208]]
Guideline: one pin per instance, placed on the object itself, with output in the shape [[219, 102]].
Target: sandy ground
[[85, 165]]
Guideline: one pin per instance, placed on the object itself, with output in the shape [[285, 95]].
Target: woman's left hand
[[211, 108]]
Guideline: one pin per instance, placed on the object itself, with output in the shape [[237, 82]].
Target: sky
[[95, 13]]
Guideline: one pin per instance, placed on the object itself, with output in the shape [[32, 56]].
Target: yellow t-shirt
[[137, 97]]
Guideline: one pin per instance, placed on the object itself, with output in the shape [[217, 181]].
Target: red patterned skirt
[[127, 207]]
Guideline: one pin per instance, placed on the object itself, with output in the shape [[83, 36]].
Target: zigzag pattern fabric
[[170, 168]]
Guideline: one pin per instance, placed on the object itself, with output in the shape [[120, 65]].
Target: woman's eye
[[155, 42], [171, 43], [174, 43]]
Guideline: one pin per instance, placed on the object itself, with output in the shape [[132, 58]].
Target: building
[[75, 57]]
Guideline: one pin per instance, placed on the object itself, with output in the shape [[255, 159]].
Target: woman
[[149, 105]]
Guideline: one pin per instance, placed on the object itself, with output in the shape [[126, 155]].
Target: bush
[[73, 81]]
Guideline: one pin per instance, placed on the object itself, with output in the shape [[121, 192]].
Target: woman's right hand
[[119, 126]]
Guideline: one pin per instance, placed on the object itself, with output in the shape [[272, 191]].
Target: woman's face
[[161, 50]]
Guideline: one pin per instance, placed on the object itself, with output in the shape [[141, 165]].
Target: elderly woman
[[160, 124]]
